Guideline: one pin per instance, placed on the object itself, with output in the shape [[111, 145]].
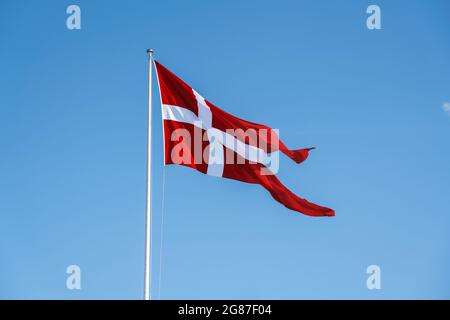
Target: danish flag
[[199, 135]]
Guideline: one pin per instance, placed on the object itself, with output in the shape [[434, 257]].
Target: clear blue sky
[[73, 143]]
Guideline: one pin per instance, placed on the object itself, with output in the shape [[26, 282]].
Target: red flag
[[200, 135]]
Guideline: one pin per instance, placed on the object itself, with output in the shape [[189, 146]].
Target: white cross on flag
[[199, 135]]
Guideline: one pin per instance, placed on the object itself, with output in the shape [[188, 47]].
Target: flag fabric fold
[[199, 135]]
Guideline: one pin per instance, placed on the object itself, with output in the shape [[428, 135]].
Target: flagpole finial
[[150, 52]]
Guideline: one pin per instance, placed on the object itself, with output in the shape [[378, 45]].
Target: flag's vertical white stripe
[[204, 112], [216, 157]]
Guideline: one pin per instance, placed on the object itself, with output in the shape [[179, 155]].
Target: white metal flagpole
[[147, 274]]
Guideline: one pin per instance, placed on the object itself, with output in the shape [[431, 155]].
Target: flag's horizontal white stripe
[[246, 151], [180, 114]]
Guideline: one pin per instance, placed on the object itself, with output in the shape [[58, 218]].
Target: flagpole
[[147, 274]]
